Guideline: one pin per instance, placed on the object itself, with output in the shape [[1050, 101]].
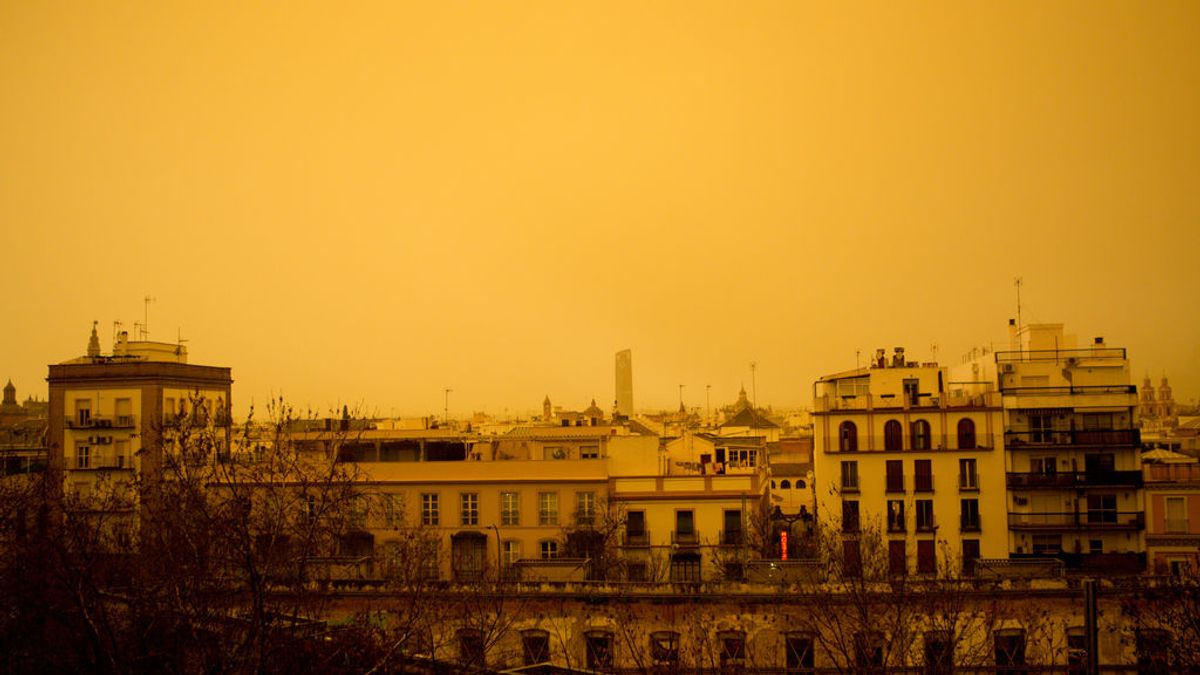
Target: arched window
[[799, 486], [785, 484], [966, 434], [920, 435], [893, 436], [847, 437]]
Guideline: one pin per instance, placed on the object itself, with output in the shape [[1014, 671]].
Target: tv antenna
[[146, 317], [1017, 282]]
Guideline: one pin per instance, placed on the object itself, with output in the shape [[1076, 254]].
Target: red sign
[[783, 544]]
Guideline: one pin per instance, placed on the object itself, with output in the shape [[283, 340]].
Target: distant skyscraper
[[625, 382]]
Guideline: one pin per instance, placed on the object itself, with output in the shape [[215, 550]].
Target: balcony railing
[[685, 538], [731, 537], [636, 539], [926, 525], [1074, 479], [1036, 440], [1082, 520], [1176, 526]]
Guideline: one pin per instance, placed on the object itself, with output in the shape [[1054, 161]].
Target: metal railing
[[1051, 437], [1074, 479], [1096, 519]]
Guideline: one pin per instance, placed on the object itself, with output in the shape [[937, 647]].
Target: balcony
[[731, 537], [1083, 520], [687, 538], [1040, 440], [1074, 479], [636, 539], [1103, 563]]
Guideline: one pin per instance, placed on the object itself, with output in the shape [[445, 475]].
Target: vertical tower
[[624, 368]]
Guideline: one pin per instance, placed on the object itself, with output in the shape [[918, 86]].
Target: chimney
[[1014, 335]]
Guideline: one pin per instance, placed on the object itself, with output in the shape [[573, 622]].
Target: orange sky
[[370, 203]]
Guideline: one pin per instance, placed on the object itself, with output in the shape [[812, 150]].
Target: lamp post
[[499, 554]]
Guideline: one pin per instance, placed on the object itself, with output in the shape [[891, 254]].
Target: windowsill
[[968, 489]]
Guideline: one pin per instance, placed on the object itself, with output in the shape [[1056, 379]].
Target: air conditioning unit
[[1009, 368]]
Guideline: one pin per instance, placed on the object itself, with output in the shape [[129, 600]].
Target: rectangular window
[[429, 509], [970, 515], [1044, 466], [895, 515], [589, 452], [924, 509], [549, 549], [849, 516], [469, 502], [798, 652], [535, 645], [939, 653], [967, 477], [510, 508], [895, 475], [970, 553], [1177, 520], [83, 456], [850, 476], [1009, 650], [685, 527], [851, 558], [169, 411], [585, 508], [923, 472], [1101, 509], [547, 508], [926, 557], [1040, 428], [599, 645], [512, 551], [1044, 544], [897, 557], [121, 458], [124, 410], [83, 412], [635, 529], [732, 534], [685, 567], [393, 510]]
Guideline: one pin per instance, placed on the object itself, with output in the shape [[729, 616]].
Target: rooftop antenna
[[753, 385], [179, 341], [146, 317], [681, 395], [934, 348], [446, 411], [1017, 282]]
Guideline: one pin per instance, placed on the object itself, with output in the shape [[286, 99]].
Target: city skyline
[[378, 203]]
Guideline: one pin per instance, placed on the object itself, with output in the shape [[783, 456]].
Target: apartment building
[[1172, 514], [901, 446], [107, 411], [1072, 451]]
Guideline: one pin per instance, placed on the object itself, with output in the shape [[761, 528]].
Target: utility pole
[[707, 404]]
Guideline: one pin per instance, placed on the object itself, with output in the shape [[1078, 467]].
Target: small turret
[[93, 350]]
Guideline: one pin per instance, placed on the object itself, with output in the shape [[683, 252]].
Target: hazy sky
[[372, 202]]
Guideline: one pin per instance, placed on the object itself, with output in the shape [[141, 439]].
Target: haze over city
[[370, 204]]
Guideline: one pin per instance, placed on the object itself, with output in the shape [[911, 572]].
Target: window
[[599, 645], [469, 555], [849, 516], [923, 469], [1099, 465], [470, 508], [470, 647], [664, 648], [169, 411], [510, 508], [732, 534], [924, 509], [547, 508], [798, 653], [1076, 650], [311, 508], [895, 475], [742, 457], [429, 509], [635, 529], [897, 557], [895, 515], [967, 477], [1044, 544], [635, 571], [1045, 466], [585, 509], [589, 452], [970, 515], [1009, 646], [83, 456], [549, 549], [970, 554], [920, 435], [1040, 428], [535, 646], [868, 651], [685, 567], [893, 435], [124, 408], [685, 527], [431, 567], [1102, 509], [851, 558], [1176, 511], [847, 437], [850, 476], [733, 648], [966, 434], [393, 510], [121, 454], [83, 412], [554, 452], [926, 557], [511, 551], [939, 653]]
